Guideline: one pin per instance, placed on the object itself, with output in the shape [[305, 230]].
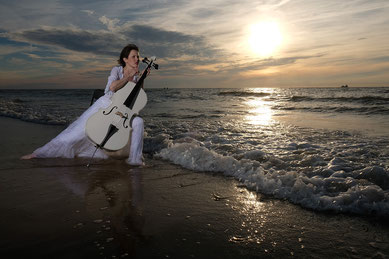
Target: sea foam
[[333, 190]]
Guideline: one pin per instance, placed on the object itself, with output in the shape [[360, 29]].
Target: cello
[[110, 127]]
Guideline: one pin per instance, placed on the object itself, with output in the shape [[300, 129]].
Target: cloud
[[152, 41], [89, 12], [110, 23], [266, 63], [76, 40], [171, 44], [10, 49], [382, 59]]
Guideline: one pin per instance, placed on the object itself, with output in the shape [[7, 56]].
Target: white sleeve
[[113, 76]]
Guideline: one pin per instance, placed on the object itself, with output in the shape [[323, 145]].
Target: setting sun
[[264, 38]]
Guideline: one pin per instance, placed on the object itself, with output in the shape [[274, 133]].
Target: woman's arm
[[120, 83]]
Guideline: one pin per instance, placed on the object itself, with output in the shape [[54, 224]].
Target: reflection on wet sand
[[114, 202]]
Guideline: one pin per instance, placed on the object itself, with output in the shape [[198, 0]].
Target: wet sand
[[58, 208]]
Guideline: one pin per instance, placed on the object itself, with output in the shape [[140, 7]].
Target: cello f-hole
[[132, 118], [115, 107], [125, 119]]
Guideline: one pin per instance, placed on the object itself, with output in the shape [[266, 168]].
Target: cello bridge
[[120, 114]]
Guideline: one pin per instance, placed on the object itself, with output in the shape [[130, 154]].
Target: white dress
[[73, 142]]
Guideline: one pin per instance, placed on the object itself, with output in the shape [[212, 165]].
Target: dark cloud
[[151, 34], [82, 41], [383, 59], [152, 41], [205, 13], [269, 62], [229, 68], [370, 13], [169, 43]]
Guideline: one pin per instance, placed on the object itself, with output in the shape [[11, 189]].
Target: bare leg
[[136, 148], [29, 156]]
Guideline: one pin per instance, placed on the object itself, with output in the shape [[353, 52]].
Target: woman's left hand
[[148, 71]]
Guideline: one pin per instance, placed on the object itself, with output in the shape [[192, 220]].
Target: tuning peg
[[155, 66]]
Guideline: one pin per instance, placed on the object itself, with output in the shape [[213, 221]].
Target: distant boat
[[344, 86]]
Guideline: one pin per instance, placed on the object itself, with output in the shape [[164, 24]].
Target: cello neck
[[130, 101]]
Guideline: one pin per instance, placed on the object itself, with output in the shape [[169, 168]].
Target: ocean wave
[[367, 110], [244, 94], [165, 115], [37, 118], [17, 100], [295, 98], [334, 186], [51, 107], [361, 100], [22, 110]]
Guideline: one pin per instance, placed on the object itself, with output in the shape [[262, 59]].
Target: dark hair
[[125, 52]]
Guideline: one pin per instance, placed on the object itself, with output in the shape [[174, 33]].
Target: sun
[[264, 38]]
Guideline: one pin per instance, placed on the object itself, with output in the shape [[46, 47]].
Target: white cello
[[110, 128]]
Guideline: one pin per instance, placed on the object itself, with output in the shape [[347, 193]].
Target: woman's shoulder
[[116, 72], [117, 69]]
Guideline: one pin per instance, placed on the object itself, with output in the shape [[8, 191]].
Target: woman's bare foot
[[29, 156]]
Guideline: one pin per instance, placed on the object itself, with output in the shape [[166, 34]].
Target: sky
[[56, 44]]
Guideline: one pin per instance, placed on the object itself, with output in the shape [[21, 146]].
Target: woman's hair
[[125, 52]]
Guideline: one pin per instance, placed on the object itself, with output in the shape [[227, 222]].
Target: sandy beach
[[58, 208]]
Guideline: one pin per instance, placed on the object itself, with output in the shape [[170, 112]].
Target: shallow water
[[324, 149]]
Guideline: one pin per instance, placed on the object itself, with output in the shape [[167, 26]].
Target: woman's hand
[[148, 71], [129, 74]]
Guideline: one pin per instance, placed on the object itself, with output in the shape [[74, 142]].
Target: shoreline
[[59, 208]]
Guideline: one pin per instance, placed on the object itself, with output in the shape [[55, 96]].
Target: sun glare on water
[[264, 38], [258, 108]]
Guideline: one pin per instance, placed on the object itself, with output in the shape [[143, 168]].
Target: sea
[[325, 149]]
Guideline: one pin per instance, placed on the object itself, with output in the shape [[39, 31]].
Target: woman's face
[[133, 59]]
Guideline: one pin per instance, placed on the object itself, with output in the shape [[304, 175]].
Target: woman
[[72, 142]]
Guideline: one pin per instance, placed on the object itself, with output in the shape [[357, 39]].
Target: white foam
[[337, 191]]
